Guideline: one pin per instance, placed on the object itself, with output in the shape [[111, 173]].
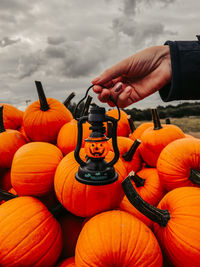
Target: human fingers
[[113, 72], [104, 95], [124, 98]]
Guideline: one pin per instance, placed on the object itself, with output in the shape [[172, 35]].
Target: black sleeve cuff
[[185, 62]]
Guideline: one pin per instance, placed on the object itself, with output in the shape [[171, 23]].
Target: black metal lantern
[[95, 170]]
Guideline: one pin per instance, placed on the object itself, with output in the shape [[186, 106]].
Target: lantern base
[[90, 177]]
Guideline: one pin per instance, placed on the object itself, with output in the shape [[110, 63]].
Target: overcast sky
[[66, 43]]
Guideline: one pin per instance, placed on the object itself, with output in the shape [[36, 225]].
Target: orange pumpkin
[[179, 163], [86, 200], [117, 238], [12, 116], [67, 136], [177, 220], [96, 149], [128, 153], [123, 127], [154, 139], [139, 130], [44, 118], [10, 142], [29, 234], [33, 168]]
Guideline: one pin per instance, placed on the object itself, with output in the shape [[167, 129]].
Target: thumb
[[113, 72]]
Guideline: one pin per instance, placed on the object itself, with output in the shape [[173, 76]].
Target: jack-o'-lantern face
[[97, 149]]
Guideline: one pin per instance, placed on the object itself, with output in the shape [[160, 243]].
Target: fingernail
[[95, 80], [118, 88], [128, 91]]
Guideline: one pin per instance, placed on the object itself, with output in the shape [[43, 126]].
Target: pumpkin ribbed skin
[[124, 144], [44, 125], [116, 238], [123, 128], [29, 234], [86, 200], [176, 160], [33, 168], [10, 142], [139, 130], [180, 239], [153, 142], [70, 262], [67, 136], [12, 116], [152, 192]]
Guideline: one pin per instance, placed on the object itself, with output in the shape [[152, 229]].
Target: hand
[[135, 77]]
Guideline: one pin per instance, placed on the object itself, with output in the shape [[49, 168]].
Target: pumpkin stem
[[167, 121], [156, 119], [58, 210], [42, 98], [109, 129], [68, 99], [131, 123], [195, 176], [157, 215], [86, 106], [127, 156], [4, 195], [2, 128], [137, 179]]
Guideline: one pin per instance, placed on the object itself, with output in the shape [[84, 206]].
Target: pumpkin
[[10, 142], [98, 149], [117, 238], [29, 234], [147, 183], [154, 139], [179, 163], [67, 136], [12, 116], [177, 220], [33, 168], [71, 226], [86, 200], [44, 118], [139, 130], [70, 262], [128, 153], [123, 127], [22, 131]]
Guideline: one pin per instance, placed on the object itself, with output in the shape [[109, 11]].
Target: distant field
[[190, 125]]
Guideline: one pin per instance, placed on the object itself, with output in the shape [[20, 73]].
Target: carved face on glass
[[97, 149]]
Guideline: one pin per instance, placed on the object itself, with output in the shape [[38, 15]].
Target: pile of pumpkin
[[47, 218]]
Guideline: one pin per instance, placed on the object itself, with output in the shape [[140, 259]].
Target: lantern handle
[[79, 140], [86, 94]]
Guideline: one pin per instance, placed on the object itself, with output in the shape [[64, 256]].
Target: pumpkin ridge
[[48, 248], [184, 241], [137, 244], [26, 235], [12, 213], [65, 184], [32, 247], [98, 259]]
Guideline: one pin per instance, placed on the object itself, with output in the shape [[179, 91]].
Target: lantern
[[95, 170]]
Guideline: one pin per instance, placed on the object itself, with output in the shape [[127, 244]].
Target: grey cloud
[[6, 41], [55, 52], [54, 40], [29, 64]]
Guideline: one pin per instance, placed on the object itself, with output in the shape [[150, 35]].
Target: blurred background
[[65, 44]]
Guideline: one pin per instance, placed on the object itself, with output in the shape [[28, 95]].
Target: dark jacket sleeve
[[185, 61]]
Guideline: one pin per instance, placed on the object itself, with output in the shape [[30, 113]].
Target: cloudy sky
[[65, 44]]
